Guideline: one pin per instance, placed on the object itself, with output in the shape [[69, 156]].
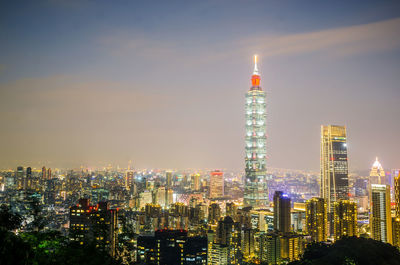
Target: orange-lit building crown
[[255, 78]]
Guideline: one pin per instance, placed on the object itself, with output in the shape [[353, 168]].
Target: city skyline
[[199, 132], [113, 86]]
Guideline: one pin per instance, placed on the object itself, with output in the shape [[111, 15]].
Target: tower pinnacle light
[[256, 190], [255, 65], [377, 174]]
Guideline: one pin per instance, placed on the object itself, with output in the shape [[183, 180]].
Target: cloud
[[122, 44], [349, 40], [378, 36]]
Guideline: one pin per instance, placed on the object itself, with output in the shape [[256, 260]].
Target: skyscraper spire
[[255, 66], [377, 173]]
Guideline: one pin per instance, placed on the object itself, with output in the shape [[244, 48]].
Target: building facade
[[256, 190], [291, 246], [334, 165], [94, 223], [196, 184], [377, 174], [282, 216], [171, 247], [270, 248], [248, 243], [129, 179], [316, 219], [396, 231], [380, 217], [397, 194], [214, 213], [345, 219], [216, 184]]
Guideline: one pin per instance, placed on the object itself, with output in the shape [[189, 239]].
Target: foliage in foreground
[[37, 247], [47, 248], [350, 251]]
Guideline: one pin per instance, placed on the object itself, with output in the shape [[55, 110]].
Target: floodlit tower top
[[377, 164], [255, 78]]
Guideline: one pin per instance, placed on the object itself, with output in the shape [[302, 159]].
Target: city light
[[150, 133]]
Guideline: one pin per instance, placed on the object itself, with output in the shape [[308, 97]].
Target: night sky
[[163, 83]]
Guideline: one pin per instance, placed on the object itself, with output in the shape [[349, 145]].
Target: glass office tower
[[256, 191], [334, 165]]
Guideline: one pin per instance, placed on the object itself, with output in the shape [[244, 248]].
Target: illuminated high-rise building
[[9, 181], [377, 174], [28, 180], [170, 246], [397, 194], [168, 188], [224, 244], [29, 172], [216, 184], [291, 246], [255, 190], [19, 178], [94, 223], [393, 174], [334, 165], [49, 174], [270, 248], [161, 195], [225, 229], [217, 254], [316, 219], [44, 176], [196, 182], [396, 219], [396, 231], [129, 179], [231, 209], [345, 219], [248, 243], [214, 213], [281, 212], [168, 179], [380, 217], [228, 234], [184, 182]]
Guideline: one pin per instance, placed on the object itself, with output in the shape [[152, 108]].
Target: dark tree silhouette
[[125, 246], [349, 251], [39, 221], [14, 250], [48, 248], [8, 219]]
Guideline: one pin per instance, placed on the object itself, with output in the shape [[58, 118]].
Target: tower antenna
[[255, 65]]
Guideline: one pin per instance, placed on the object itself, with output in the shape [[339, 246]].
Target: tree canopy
[[8, 219], [45, 248], [350, 250]]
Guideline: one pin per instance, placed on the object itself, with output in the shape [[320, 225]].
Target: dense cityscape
[[262, 216], [199, 132]]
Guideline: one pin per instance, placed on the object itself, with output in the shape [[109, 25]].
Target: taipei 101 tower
[[256, 190]]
